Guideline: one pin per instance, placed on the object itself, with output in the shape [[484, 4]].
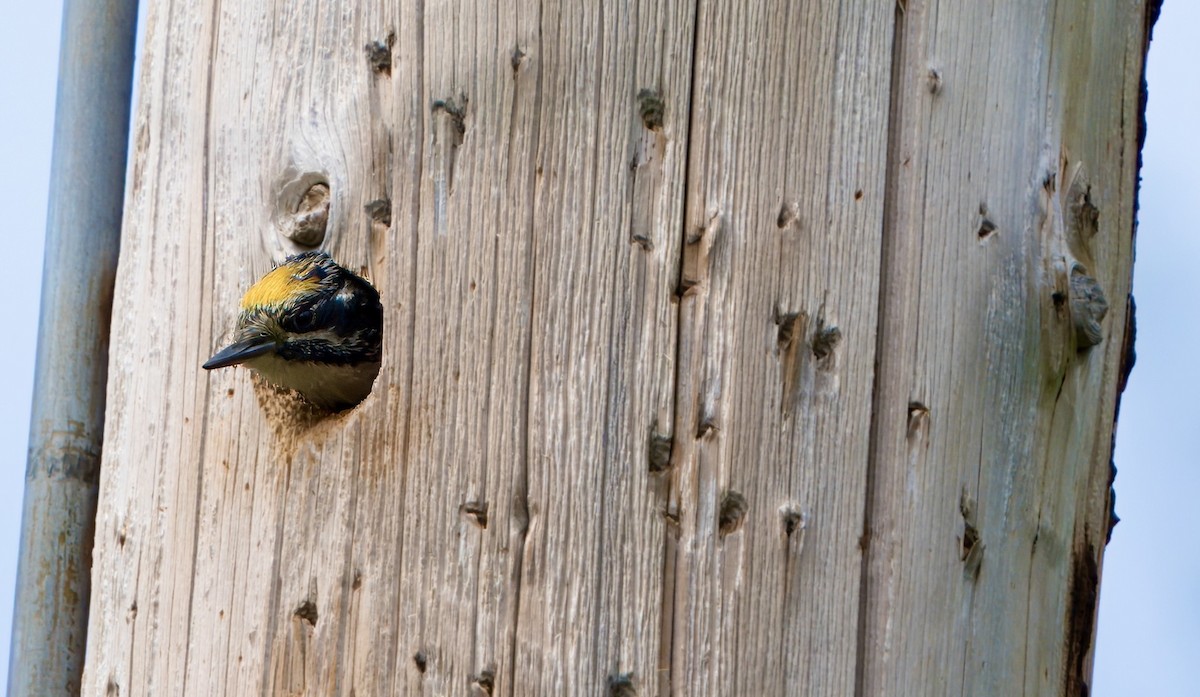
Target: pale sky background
[[1149, 625]]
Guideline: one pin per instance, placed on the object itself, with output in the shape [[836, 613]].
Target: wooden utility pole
[[730, 348]]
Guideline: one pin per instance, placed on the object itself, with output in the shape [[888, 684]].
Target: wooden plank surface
[[650, 419], [511, 178], [990, 459], [785, 203], [607, 213]]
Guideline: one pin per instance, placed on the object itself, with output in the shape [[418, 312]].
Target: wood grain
[[990, 463], [527, 260], [785, 204], [695, 354]]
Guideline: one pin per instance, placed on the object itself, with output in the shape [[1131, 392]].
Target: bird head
[[311, 326]]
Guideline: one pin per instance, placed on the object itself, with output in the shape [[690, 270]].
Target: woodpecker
[[311, 326]]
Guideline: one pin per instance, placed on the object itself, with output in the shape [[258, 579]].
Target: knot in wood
[[312, 217], [1088, 308]]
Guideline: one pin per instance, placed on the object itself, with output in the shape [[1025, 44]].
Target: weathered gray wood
[[990, 466], [607, 196], [641, 424], [785, 206], [528, 268]]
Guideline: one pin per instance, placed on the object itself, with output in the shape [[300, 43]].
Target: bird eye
[[305, 320]]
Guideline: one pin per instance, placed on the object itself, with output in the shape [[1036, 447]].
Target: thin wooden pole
[[87, 186]]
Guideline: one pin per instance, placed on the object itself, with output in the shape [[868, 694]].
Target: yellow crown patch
[[284, 284]]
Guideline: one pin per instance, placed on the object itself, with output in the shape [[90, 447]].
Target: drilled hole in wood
[[971, 545], [732, 514], [785, 337], [476, 512], [455, 112], [651, 108], [825, 340], [421, 661], [933, 81], [379, 55], [792, 519], [918, 413], [621, 685], [658, 451], [786, 217], [686, 287], [307, 611], [1050, 182], [969, 539], [972, 552], [380, 211], [485, 682]]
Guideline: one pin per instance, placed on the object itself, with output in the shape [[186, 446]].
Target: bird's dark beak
[[241, 351]]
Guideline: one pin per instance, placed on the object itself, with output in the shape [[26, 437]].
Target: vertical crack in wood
[[520, 487], [406, 415], [208, 216], [670, 568], [892, 169], [1081, 614]]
